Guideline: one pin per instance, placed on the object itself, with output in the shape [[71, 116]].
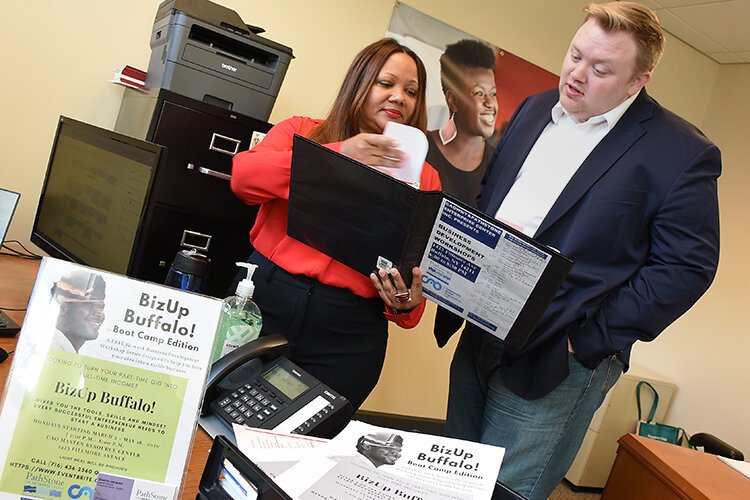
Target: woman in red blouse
[[335, 319]]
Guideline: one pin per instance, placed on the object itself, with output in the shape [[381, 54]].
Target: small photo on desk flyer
[[108, 377]]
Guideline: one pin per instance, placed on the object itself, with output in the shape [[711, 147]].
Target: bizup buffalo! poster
[[108, 377]]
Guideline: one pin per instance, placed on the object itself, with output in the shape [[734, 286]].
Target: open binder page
[[489, 274], [479, 268]]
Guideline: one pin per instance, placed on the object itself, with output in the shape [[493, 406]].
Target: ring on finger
[[402, 297]]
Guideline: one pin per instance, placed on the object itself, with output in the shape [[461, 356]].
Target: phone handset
[[269, 346]]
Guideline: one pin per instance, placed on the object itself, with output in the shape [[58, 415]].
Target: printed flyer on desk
[[108, 377], [367, 461]]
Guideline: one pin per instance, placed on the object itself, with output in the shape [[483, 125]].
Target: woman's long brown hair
[[344, 119]]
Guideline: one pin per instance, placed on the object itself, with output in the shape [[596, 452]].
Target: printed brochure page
[[108, 377], [366, 461], [478, 270], [275, 452]]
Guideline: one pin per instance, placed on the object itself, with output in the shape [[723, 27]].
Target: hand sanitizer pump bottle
[[240, 319]]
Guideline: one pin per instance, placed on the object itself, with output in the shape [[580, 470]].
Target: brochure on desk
[[367, 461], [473, 265], [125, 404]]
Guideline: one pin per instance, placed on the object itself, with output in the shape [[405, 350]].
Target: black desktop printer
[[205, 51]]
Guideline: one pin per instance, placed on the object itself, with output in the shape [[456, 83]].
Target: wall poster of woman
[[473, 87]]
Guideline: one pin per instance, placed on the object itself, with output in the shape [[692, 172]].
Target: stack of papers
[[741, 467], [130, 77], [366, 461]]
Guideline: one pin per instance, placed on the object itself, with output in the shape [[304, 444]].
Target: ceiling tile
[[651, 4], [726, 23], [687, 33], [726, 57], [681, 3]]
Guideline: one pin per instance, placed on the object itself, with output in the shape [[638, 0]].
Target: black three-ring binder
[[356, 214]]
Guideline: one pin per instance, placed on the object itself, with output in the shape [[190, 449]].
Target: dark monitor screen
[[94, 195], [230, 475]]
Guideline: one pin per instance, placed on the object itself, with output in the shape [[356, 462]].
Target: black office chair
[[712, 444]]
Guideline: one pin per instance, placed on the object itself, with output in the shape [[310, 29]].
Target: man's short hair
[[639, 21], [381, 439], [79, 286]]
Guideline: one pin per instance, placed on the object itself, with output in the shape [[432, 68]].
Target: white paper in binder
[[413, 142]]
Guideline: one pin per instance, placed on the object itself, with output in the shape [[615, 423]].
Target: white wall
[[706, 351], [57, 57]]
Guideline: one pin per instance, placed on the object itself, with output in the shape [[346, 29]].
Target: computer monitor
[[94, 194], [8, 202]]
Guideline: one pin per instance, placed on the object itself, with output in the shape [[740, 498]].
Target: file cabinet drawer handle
[[212, 173], [219, 142]]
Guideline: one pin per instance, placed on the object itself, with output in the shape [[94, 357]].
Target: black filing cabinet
[[190, 190]]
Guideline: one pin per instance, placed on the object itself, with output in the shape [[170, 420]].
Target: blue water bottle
[[189, 271]]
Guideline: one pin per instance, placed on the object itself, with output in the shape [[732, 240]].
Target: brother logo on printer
[[229, 67]]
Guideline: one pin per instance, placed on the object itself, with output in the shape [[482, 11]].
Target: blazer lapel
[[627, 131]]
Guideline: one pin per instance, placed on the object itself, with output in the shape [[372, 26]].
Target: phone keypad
[[251, 404]]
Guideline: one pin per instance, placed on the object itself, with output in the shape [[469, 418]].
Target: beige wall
[[57, 57], [705, 352]]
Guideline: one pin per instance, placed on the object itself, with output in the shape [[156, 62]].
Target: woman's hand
[[374, 150], [393, 289]]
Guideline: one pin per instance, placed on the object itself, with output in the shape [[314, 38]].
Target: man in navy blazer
[[600, 171]]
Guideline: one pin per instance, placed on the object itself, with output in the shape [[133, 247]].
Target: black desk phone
[[256, 385], [230, 475]]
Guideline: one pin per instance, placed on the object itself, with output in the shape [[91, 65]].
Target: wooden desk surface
[[17, 278], [654, 469]]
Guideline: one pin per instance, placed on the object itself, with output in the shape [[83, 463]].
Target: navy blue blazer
[[639, 218]]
